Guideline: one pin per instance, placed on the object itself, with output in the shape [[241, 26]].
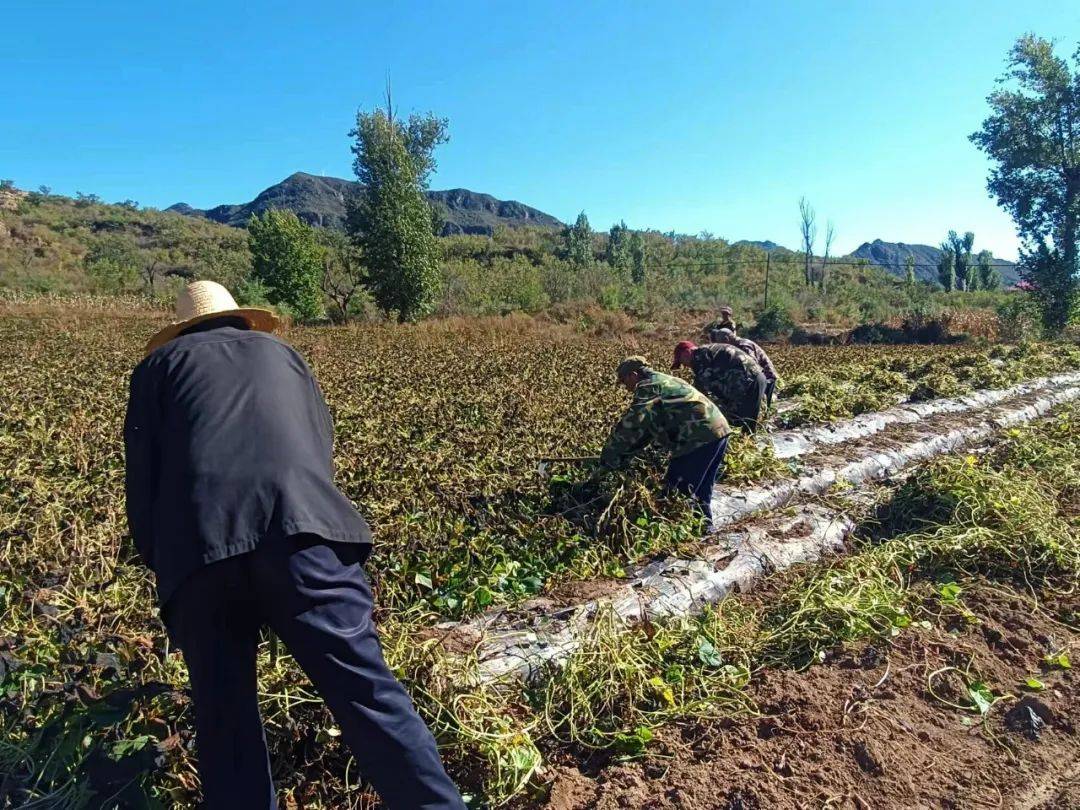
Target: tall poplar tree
[[388, 218]]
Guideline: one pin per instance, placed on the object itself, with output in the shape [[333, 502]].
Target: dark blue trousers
[[695, 473], [313, 594], [770, 390]]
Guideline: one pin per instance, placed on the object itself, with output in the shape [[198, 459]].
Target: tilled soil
[[862, 730]]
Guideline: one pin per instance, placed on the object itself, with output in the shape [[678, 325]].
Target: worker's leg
[[770, 391], [213, 619], [318, 602], [694, 473], [751, 404]]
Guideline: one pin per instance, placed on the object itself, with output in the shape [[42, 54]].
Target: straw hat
[[202, 300]]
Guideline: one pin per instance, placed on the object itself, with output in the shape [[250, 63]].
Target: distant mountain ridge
[[892, 255], [320, 201], [765, 244]]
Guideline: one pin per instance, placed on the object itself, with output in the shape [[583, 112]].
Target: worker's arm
[[766, 364], [141, 458], [705, 381], [631, 433]]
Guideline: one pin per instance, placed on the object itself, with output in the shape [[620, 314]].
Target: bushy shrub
[[773, 323], [1018, 317]]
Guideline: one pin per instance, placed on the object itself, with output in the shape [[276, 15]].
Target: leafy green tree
[[119, 261], [618, 251], [389, 219], [909, 266], [221, 257], [114, 263], [1033, 137], [578, 242], [989, 277], [287, 260], [945, 271], [960, 246], [637, 258], [7, 185], [343, 273]]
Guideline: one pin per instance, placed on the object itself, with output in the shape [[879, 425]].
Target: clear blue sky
[[686, 116]]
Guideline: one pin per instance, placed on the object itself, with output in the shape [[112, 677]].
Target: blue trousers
[[694, 473], [314, 596]]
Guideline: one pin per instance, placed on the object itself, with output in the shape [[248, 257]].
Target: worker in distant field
[[745, 344], [673, 414], [726, 320], [231, 501], [729, 377]]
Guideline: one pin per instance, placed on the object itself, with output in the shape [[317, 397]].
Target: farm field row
[[439, 428]]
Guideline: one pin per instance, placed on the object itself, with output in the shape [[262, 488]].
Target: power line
[[798, 261]]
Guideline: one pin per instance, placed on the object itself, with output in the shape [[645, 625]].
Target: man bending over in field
[[231, 502], [730, 377], [670, 412], [745, 344]]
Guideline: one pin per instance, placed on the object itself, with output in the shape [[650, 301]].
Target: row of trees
[[959, 269], [624, 250]]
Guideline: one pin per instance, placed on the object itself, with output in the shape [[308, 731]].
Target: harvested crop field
[[864, 730], [439, 430]]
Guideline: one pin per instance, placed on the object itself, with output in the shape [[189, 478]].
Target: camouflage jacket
[[758, 353], [668, 411], [723, 322], [723, 372]]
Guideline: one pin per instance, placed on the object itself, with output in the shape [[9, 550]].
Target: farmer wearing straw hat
[[672, 414], [231, 502]]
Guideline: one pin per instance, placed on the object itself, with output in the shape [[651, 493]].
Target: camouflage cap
[[630, 365], [722, 335], [726, 311]]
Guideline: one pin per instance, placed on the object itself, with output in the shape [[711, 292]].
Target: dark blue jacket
[[228, 442]]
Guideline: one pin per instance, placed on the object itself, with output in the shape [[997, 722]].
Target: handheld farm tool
[[544, 463]]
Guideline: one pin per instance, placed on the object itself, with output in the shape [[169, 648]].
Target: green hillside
[[50, 243]]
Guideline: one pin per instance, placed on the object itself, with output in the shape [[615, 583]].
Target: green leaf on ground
[[634, 744], [707, 653], [950, 592], [1059, 660], [981, 696]]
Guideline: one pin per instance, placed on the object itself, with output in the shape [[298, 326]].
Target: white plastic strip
[[519, 646]]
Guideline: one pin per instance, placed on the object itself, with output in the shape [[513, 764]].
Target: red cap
[[681, 347]]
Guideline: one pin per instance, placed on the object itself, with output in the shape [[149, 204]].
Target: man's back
[[714, 358], [760, 357], [668, 411], [229, 442]]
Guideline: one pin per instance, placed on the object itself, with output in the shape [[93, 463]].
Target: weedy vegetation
[[439, 429]]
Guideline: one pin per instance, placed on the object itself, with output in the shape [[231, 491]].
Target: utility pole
[[768, 266]]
